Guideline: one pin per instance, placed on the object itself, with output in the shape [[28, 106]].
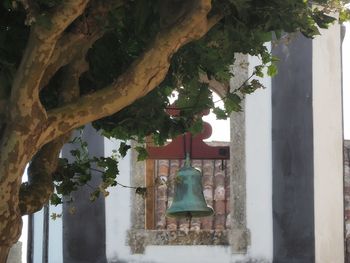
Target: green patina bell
[[189, 199]]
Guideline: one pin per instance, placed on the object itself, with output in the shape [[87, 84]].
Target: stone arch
[[238, 236]]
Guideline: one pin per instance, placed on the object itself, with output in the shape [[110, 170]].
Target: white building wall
[[118, 209], [55, 252], [328, 165], [259, 168], [328, 180], [328, 147], [259, 199], [38, 236]]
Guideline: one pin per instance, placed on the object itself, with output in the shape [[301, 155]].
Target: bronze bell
[[189, 199]]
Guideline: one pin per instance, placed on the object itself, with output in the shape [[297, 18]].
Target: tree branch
[[36, 193], [214, 19], [63, 16], [143, 75], [65, 50], [42, 40], [79, 37]]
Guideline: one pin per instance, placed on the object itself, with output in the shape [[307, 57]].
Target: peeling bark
[[24, 124], [37, 191], [143, 75], [71, 43], [31, 131], [25, 89], [12, 163], [63, 54], [4, 252]]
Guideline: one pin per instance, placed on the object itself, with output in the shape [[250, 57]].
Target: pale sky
[[221, 128]]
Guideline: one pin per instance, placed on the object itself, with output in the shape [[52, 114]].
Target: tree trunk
[[10, 216], [14, 155], [4, 252], [28, 126]]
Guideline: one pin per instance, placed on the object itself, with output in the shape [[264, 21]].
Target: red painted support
[[194, 145]]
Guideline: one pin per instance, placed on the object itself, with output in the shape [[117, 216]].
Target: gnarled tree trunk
[[29, 130]]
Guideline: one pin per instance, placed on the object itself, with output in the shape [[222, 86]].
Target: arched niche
[[237, 237]]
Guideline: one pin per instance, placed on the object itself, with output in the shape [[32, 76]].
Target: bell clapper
[[189, 218]]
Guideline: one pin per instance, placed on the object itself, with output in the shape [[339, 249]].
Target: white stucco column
[[328, 147], [259, 168]]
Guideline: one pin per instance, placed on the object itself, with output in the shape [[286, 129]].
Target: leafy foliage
[[13, 36], [130, 28], [245, 28]]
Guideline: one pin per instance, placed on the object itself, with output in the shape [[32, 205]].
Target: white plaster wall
[[328, 147], [259, 198], [346, 81], [118, 208], [24, 234], [55, 251], [38, 236], [259, 168], [55, 236], [24, 239]]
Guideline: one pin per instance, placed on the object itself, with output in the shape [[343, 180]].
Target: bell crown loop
[[187, 161]]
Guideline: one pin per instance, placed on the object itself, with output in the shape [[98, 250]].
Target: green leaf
[[141, 191], [232, 103], [278, 34], [142, 153], [75, 153], [55, 199], [220, 113], [223, 75], [84, 178], [94, 195], [54, 216], [322, 20], [248, 89], [123, 149], [272, 70], [344, 15], [112, 168], [310, 31], [274, 59], [196, 127], [259, 71]]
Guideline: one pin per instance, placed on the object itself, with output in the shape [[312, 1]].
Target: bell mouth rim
[[190, 168], [192, 213]]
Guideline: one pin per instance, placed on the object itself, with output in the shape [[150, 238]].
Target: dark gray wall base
[[84, 238], [292, 154]]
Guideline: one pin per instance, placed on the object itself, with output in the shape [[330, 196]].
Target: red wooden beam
[[194, 145]]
